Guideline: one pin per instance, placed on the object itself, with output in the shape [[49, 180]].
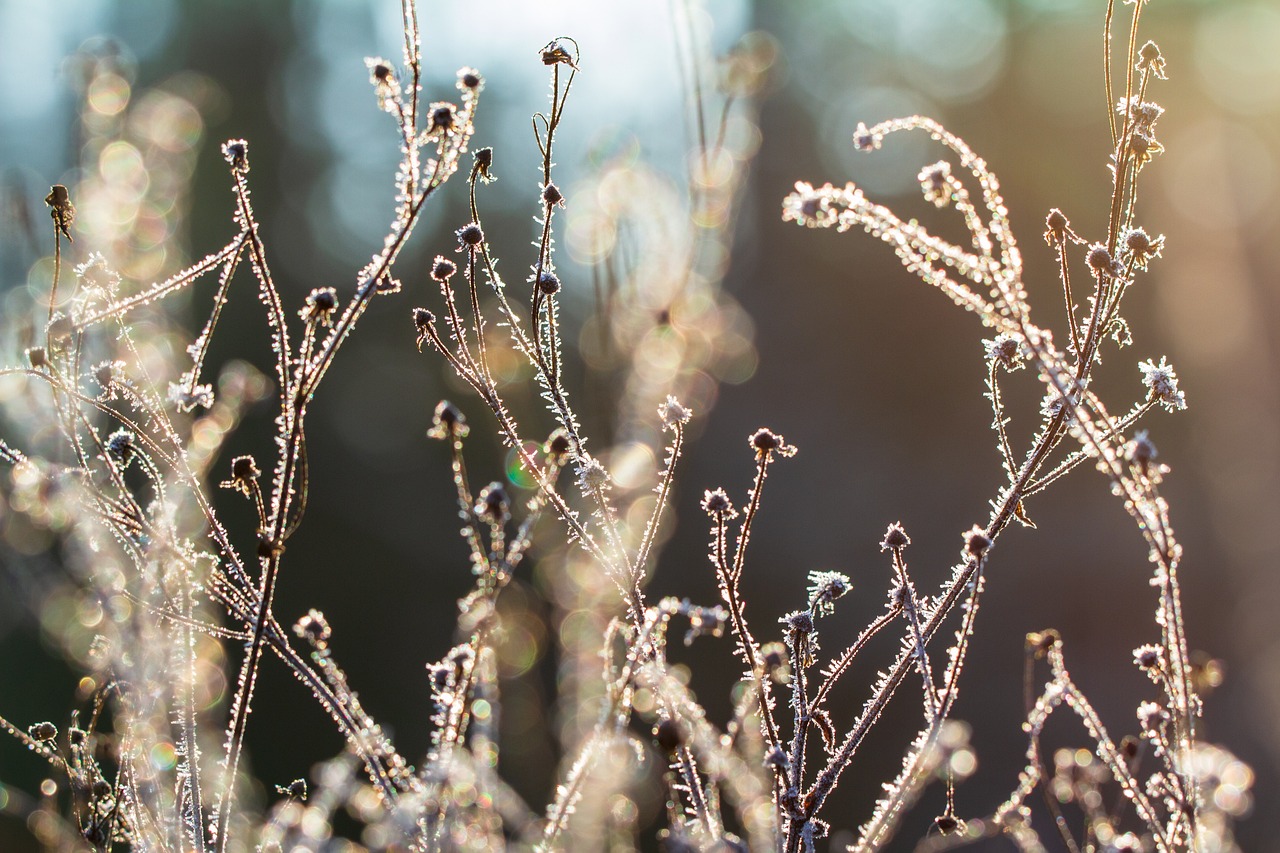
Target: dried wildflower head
[[484, 162], [43, 732], [1149, 59], [385, 85], [493, 504], [424, 322], [470, 236], [1005, 350], [1101, 263], [765, 442], [777, 757], [1141, 452], [108, 375], [121, 446], [236, 153], [935, 182], [37, 357], [865, 140], [448, 422], [548, 283], [552, 197], [824, 589], [1057, 228], [895, 538], [443, 120], [470, 80], [1148, 657], [61, 209], [319, 306], [798, 623], [976, 542], [188, 394], [592, 476], [442, 269], [717, 505], [558, 445], [244, 475], [1041, 643], [673, 413], [1142, 247], [313, 628], [556, 53], [1162, 382]]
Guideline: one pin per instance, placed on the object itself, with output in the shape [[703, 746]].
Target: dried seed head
[[548, 282], [895, 537], [423, 320], [798, 622], [470, 235], [1041, 642], [37, 357], [120, 446], [61, 209], [1162, 383], [102, 789], [673, 413], [244, 475], [236, 153], [297, 789], [1142, 246], [1100, 260], [1057, 228], [717, 505], [493, 504], [936, 184], [442, 269], [1141, 451], [766, 442], [448, 422], [1149, 59], [555, 53], [320, 305], [551, 196], [824, 589], [777, 757], [1005, 350], [976, 542], [864, 139], [76, 736], [444, 119], [470, 79], [43, 732], [946, 824], [484, 162], [1129, 747], [1148, 657], [558, 445]]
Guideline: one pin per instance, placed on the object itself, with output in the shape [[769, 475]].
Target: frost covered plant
[[121, 472], [986, 279]]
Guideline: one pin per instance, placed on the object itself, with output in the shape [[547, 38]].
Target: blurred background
[[877, 379]]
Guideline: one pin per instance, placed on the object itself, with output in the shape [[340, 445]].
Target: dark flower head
[[444, 119], [470, 79], [864, 139], [551, 196], [43, 732], [120, 446], [895, 537], [320, 305], [717, 505], [558, 445], [37, 357], [442, 269], [1149, 59], [493, 504], [448, 422], [236, 153], [766, 442], [1057, 228], [548, 282], [555, 53], [470, 235], [1142, 450], [976, 542], [483, 165]]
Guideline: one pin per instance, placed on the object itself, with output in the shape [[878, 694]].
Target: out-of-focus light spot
[[4, 798], [108, 94], [517, 473], [963, 763], [953, 51], [631, 464], [168, 121], [163, 756], [121, 165], [48, 787], [481, 710], [86, 688], [1237, 59]]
